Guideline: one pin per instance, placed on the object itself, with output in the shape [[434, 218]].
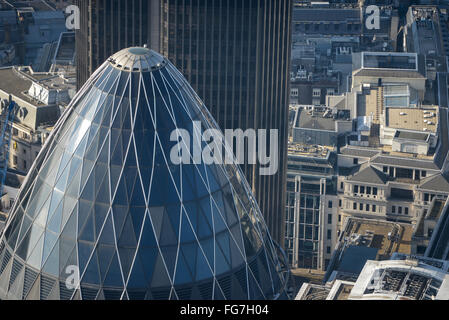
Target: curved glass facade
[[103, 200]]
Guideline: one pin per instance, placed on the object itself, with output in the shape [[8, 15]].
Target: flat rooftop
[[390, 60], [314, 120], [407, 135], [303, 150], [343, 291], [364, 240], [427, 37], [389, 65], [404, 279], [14, 83], [376, 234], [415, 119], [400, 240]]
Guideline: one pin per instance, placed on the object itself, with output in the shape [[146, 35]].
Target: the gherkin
[[104, 198]]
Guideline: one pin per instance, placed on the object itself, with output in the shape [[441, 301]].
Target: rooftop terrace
[[15, 83], [416, 119], [365, 239]]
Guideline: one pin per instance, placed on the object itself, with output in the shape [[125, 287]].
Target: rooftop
[[17, 84], [365, 239], [359, 151], [405, 162], [416, 119], [369, 175], [302, 150], [310, 291], [425, 33], [407, 135], [314, 120], [406, 278], [390, 60], [338, 290], [437, 182], [137, 59], [389, 65]]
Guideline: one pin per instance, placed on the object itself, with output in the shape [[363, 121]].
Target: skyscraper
[[234, 53], [105, 213]]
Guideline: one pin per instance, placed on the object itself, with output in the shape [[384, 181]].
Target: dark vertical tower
[[234, 53], [108, 26]]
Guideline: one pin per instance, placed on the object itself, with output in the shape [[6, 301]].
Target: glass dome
[[105, 214]]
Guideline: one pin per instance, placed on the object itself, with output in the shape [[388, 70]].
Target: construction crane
[[7, 118]]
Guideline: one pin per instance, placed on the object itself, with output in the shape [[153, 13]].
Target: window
[[339, 218], [361, 206], [328, 250], [406, 210], [355, 161], [400, 210], [329, 219], [423, 174], [362, 189], [341, 185], [294, 92], [374, 208], [367, 207], [385, 169], [375, 191], [317, 92], [339, 203], [329, 205], [393, 209], [14, 160], [354, 206], [329, 234], [25, 164], [368, 190], [356, 189]]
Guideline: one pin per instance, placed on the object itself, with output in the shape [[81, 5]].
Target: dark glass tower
[[104, 197], [234, 53]]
